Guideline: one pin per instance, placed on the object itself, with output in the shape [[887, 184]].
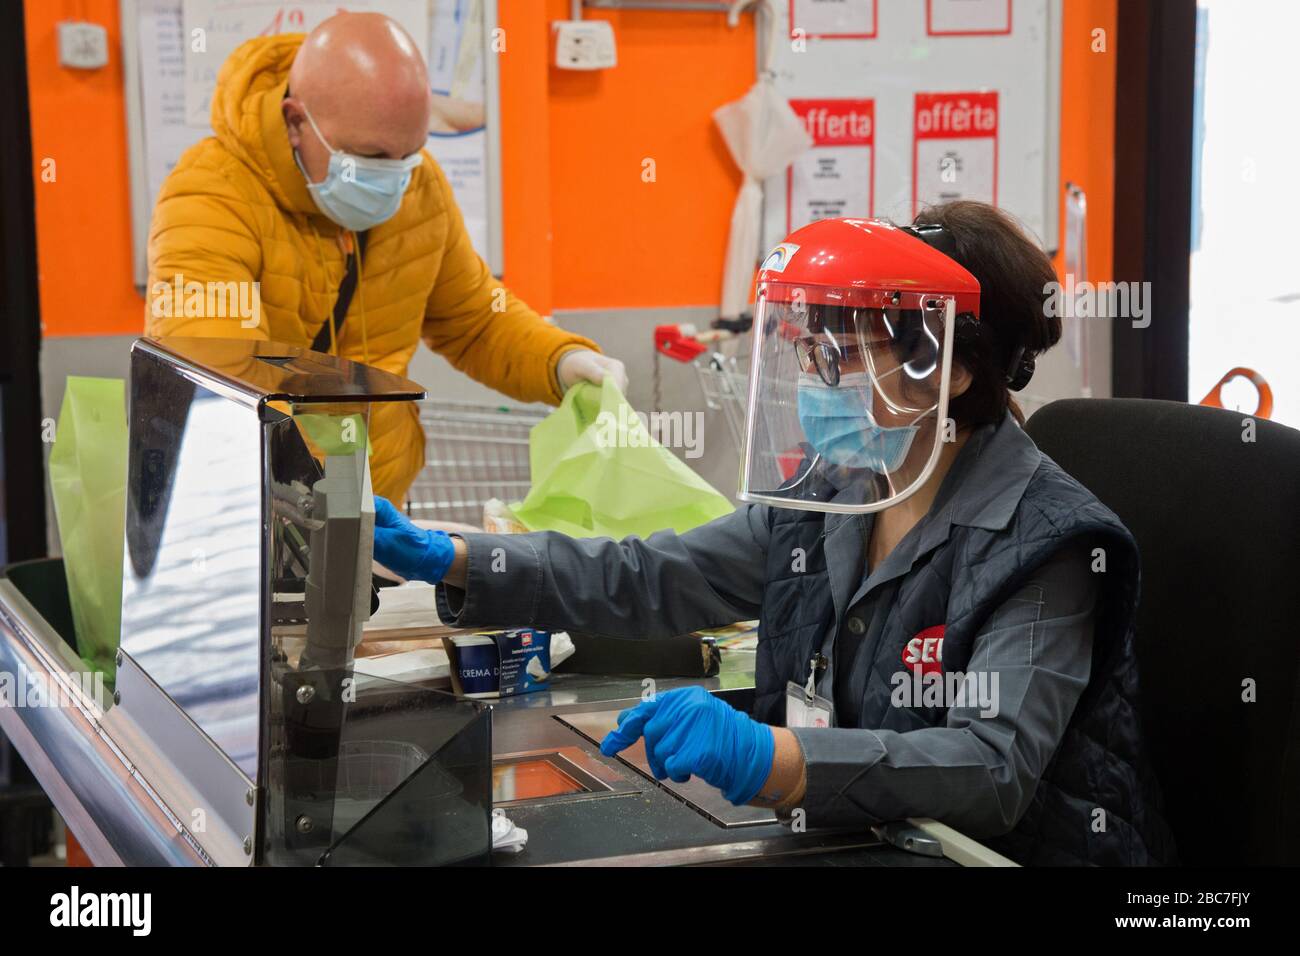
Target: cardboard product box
[[495, 664]]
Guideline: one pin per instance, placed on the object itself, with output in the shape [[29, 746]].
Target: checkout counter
[[239, 731]]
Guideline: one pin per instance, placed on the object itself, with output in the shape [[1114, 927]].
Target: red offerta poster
[[837, 177], [954, 148]]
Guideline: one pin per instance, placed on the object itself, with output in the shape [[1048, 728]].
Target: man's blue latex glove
[[415, 553], [690, 732]]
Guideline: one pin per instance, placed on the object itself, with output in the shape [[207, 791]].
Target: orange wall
[[526, 161], [582, 230], [1088, 124], [622, 241], [83, 218]]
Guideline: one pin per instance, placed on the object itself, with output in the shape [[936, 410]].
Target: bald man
[[314, 216]]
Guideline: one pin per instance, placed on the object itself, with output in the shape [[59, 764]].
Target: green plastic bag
[[335, 434], [596, 472], [88, 480]]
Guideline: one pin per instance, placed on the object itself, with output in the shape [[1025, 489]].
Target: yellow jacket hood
[[247, 119]]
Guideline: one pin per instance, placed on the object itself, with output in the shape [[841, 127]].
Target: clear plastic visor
[[848, 397]]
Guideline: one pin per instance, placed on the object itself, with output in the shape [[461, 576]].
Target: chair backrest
[[1213, 499]]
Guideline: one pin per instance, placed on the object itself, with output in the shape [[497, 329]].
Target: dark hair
[[1014, 276]]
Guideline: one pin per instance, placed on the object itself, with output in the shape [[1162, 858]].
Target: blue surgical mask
[[838, 423], [358, 192]]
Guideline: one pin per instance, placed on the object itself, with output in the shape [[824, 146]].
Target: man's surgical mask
[[838, 423], [359, 192]]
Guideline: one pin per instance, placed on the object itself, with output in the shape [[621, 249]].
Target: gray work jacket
[[1022, 634]]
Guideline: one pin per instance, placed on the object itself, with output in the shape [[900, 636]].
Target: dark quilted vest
[[1100, 763]]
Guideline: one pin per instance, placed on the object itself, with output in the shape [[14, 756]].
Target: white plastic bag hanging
[[765, 137]]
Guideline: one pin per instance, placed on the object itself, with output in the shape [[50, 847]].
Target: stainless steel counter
[[74, 749], [645, 822], [114, 804]]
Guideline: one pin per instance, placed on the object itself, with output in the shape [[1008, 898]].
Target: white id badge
[[801, 710]]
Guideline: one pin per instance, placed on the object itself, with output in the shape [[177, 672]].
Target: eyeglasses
[[828, 359]]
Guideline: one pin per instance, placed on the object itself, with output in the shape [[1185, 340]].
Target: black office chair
[[1217, 520]]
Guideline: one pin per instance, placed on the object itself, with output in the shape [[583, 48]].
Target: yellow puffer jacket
[[236, 208]]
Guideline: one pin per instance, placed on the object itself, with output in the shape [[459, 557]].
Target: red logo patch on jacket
[[925, 651]]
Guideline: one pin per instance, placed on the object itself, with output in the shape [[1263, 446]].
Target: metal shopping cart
[[721, 358], [721, 361], [472, 453]]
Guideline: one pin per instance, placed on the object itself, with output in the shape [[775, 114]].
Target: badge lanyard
[[803, 706]]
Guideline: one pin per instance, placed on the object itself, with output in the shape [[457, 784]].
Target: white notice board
[[169, 88], [911, 102]]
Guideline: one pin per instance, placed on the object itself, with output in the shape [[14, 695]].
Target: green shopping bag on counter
[[88, 480], [596, 472]]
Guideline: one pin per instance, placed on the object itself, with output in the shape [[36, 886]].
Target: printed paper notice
[[968, 17], [833, 19], [161, 39], [457, 124], [837, 176], [954, 148]]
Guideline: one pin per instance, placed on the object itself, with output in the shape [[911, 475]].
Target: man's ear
[[293, 120], [960, 381]]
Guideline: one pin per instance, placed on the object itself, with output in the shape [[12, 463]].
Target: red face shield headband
[[851, 367]]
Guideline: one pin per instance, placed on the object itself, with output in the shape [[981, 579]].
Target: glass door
[[1245, 270]]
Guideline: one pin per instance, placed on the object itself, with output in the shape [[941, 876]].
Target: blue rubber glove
[[414, 553], [690, 732]]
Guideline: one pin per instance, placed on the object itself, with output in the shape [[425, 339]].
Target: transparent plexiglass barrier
[[360, 770]]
